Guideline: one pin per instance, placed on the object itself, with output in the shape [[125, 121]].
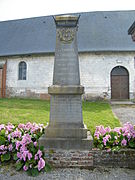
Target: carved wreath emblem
[[66, 35]]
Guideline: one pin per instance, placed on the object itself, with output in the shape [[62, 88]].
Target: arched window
[[22, 70]]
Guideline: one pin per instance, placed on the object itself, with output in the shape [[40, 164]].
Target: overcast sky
[[18, 9]]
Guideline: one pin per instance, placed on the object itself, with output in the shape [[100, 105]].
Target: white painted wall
[[39, 75], [95, 69]]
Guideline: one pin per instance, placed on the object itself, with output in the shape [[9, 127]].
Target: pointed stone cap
[[66, 20]]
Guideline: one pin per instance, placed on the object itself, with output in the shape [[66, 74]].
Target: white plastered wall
[[95, 69]]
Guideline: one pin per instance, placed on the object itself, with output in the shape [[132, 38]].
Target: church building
[[106, 56]]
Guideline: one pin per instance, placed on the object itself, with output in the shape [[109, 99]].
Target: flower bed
[[20, 144], [115, 139]]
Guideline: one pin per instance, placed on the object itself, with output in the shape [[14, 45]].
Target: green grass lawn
[[24, 110], [98, 113]]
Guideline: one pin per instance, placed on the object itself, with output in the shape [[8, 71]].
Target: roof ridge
[[88, 12]]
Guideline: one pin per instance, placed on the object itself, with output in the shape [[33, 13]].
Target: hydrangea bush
[[20, 144], [114, 139]]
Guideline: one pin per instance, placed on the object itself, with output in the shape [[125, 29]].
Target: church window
[[22, 70]]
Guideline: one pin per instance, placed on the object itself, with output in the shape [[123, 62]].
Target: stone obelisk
[[66, 129]]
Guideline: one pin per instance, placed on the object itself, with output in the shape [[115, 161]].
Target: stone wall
[[95, 69], [125, 158]]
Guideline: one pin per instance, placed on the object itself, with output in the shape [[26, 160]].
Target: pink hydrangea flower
[[35, 143], [102, 130], [25, 168], [41, 164], [19, 155], [24, 155], [26, 139], [97, 134], [10, 147], [10, 127], [9, 137], [22, 142], [118, 130], [108, 129], [39, 153], [2, 126], [23, 148], [21, 126], [28, 126], [124, 142], [16, 134], [2, 147], [34, 128], [36, 157], [29, 155], [17, 144], [106, 138]]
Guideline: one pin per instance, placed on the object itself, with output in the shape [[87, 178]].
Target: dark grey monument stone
[[66, 129]]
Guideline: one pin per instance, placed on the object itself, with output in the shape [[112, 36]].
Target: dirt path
[[125, 113]]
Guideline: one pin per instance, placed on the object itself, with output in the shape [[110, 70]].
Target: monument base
[[67, 143]]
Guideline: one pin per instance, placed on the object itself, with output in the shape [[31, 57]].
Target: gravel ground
[[125, 113], [72, 174]]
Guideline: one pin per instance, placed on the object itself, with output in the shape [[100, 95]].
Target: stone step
[[66, 143], [66, 132], [122, 103]]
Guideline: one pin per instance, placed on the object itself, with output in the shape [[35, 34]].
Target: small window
[[22, 70]]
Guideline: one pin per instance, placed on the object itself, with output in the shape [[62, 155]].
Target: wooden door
[[119, 83]]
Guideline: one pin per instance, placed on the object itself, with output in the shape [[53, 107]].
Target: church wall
[[95, 72], [95, 69], [39, 76]]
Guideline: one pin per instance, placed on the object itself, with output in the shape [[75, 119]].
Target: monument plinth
[[66, 129]]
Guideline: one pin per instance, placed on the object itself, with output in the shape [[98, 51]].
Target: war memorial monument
[[66, 129]]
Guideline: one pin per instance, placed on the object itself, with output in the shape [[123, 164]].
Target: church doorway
[[119, 83]]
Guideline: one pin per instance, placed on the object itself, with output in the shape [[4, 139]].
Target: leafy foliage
[[115, 139], [20, 144], [5, 157]]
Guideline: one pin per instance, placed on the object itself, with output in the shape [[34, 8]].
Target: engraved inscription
[[66, 35], [71, 103]]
